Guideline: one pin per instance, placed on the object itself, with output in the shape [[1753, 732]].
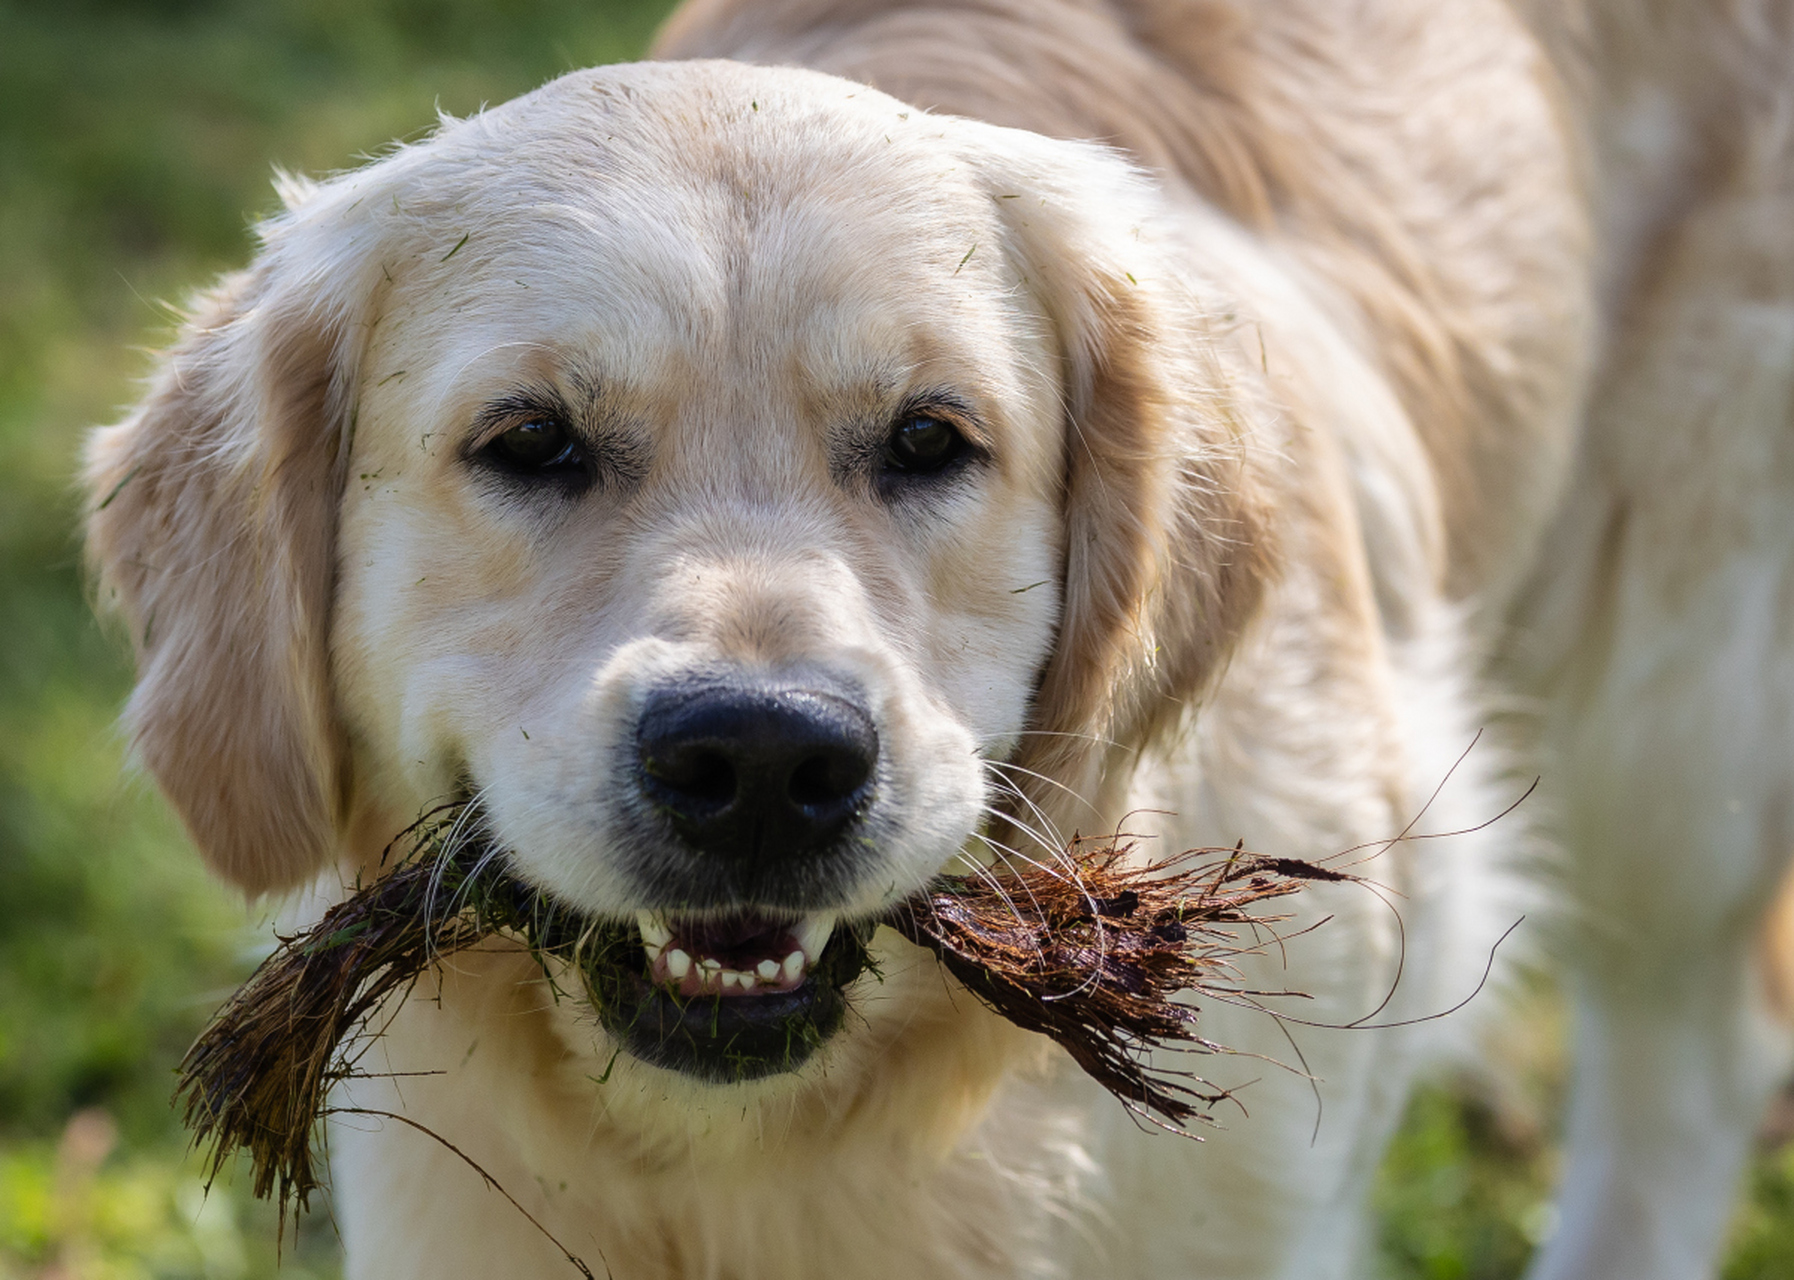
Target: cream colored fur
[[1276, 427], [1660, 629]]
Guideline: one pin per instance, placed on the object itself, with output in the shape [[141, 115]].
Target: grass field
[[136, 142]]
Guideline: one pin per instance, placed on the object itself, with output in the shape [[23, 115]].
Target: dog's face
[[704, 523], [730, 467]]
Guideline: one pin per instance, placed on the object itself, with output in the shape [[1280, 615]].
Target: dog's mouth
[[1091, 951], [748, 955], [727, 998]]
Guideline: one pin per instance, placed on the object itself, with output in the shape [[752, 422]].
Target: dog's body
[[1235, 475], [1658, 631]]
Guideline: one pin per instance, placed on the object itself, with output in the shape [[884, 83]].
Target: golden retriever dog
[[881, 436]]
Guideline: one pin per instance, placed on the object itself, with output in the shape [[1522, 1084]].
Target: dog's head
[[743, 486]]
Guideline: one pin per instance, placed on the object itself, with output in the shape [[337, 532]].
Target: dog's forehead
[[663, 225]]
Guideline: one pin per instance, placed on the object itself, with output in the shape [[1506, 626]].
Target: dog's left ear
[[212, 529], [1166, 538]]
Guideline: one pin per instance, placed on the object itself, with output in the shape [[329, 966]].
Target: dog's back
[[1403, 153]]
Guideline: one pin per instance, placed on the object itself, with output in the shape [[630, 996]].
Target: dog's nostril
[[753, 772], [828, 778], [705, 776]]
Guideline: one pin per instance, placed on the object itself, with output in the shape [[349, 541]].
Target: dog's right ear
[[212, 528], [1166, 498]]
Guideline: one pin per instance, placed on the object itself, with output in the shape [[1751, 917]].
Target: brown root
[[1093, 951]]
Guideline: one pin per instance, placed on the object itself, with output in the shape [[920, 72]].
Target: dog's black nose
[[761, 774]]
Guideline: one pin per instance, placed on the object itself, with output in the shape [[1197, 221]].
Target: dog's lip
[[739, 954], [717, 1035]]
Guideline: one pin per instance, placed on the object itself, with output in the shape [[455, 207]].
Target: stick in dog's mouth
[[1092, 950]]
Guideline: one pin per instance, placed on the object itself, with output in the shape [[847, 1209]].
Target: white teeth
[[677, 965], [655, 932], [812, 934]]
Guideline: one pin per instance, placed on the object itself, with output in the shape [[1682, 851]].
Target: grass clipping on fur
[[1091, 950]]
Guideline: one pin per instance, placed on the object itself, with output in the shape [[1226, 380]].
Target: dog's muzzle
[[750, 802]]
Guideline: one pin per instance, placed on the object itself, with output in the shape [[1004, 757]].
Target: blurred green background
[[137, 138]]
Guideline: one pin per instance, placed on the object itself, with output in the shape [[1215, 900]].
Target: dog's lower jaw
[[882, 1157], [730, 1036]]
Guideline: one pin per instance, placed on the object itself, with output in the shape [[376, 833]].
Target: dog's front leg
[[1673, 684]]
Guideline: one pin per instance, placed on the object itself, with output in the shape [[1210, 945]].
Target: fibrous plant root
[[1092, 950]]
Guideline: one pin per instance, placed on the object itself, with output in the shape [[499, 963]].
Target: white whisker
[[1050, 781]]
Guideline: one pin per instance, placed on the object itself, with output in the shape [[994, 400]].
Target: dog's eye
[[540, 446], [920, 444]]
